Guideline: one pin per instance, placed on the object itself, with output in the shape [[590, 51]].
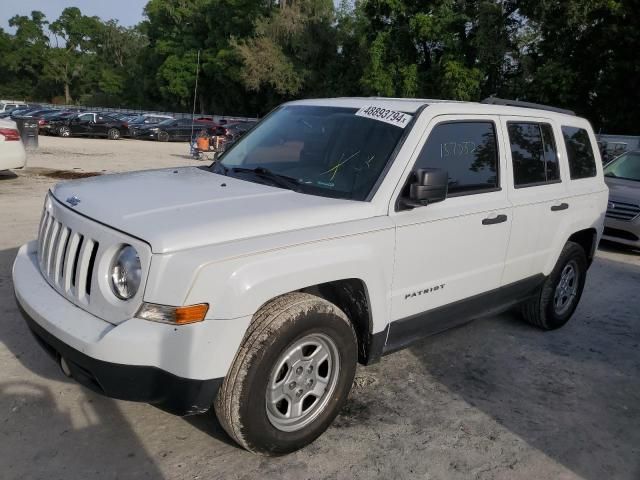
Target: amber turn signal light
[[191, 314], [174, 315]]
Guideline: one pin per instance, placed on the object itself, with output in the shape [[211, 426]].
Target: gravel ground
[[495, 399]]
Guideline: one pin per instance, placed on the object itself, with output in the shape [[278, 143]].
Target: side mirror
[[428, 185]]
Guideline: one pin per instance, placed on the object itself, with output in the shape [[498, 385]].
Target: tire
[[113, 134], [548, 310], [64, 131], [301, 325], [163, 137]]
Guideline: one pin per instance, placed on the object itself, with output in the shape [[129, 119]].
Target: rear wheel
[[113, 134], [561, 292], [290, 377], [64, 131], [163, 136]]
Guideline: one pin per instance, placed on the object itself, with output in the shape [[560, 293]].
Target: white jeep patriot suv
[[334, 232]]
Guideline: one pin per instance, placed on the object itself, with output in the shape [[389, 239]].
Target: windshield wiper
[[275, 178]]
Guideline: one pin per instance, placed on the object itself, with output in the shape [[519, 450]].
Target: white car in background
[[12, 154]]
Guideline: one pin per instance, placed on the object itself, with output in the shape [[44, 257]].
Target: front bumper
[[177, 395], [177, 368], [624, 232]]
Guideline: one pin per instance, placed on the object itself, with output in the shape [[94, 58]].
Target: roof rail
[[518, 103]]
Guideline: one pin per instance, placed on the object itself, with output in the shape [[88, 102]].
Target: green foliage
[[254, 54]]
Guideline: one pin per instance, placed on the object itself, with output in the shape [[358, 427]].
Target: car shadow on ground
[[612, 247], [574, 393], [52, 438], [92, 439], [7, 175], [17, 338]]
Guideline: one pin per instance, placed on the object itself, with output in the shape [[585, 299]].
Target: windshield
[[328, 151], [626, 166]]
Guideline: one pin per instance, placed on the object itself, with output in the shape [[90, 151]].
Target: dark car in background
[[622, 221], [93, 125], [125, 117], [50, 123], [176, 130], [142, 121], [24, 111], [37, 113]]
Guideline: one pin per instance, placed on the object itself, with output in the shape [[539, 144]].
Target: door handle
[[494, 220], [557, 208]]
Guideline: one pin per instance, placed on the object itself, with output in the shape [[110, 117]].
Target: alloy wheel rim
[[567, 288], [302, 382]]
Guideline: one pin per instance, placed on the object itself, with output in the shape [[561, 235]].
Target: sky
[[127, 12]]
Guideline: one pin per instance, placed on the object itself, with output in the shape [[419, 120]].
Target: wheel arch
[[588, 240], [352, 297], [586, 237]]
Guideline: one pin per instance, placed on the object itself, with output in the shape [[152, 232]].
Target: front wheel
[[113, 134], [64, 131], [290, 377], [163, 136], [561, 292]]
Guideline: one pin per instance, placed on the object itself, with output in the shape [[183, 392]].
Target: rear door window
[[533, 153], [582, 162]]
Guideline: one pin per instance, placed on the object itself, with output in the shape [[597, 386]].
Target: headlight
[[126, 273]]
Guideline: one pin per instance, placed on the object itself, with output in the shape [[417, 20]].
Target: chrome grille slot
[[69, 262], [76, 260], [92, 261], [66, 258], [63, 242], [71, 249], [622, 211]]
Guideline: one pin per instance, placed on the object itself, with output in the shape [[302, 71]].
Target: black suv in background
[[93, 124]]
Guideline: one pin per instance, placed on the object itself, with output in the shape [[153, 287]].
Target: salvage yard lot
[[496, 399]]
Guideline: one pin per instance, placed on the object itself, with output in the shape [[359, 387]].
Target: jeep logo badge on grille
[[73, 201]]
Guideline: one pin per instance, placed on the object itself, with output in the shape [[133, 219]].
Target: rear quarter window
[[582, 161]]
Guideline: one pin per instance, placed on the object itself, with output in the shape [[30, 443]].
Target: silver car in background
[[622, 223]]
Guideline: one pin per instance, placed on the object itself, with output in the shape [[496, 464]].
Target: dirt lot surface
[[495, 399]]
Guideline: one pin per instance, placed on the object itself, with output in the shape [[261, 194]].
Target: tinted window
[[467, 151], [533, 153], [582, 163]]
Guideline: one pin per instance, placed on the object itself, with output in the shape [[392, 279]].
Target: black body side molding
[[402, 333]]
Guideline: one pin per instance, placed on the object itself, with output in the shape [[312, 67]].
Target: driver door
[[80, 124], [450, 255]]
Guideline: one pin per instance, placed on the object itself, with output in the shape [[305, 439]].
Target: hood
[[622, 190], [179, 208]]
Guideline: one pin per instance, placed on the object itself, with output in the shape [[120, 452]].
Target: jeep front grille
[[66, 257], [622, 211]]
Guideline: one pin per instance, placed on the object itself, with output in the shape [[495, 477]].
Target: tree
[[77, 33], [24, 54]]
